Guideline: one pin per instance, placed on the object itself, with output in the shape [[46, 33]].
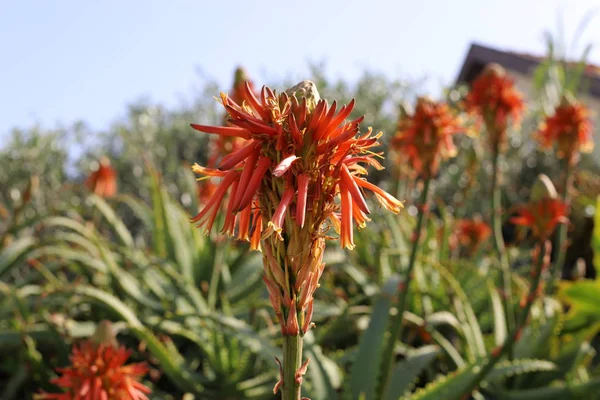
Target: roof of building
[[479, 56]]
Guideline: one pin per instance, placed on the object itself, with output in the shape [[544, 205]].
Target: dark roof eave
[[479, 55]]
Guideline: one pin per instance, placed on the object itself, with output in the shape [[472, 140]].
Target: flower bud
[[542, 188], [307, 90], [104, 334]]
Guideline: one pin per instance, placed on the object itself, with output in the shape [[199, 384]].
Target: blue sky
[[67, 60]]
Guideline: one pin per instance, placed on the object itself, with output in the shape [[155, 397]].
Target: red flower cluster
[[222, 145], [298, 156], [570, 128], [542, 216], [472, 233], [103, 181], [97, 372], [426, 136], [494, 98]]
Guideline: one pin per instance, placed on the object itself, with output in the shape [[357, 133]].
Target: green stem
[[513, 337], [396, 328], [496, 209], [561, 239], [292, 360]]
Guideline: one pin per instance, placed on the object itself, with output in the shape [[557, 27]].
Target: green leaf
[[455, 385], [14, 252], [581, 391], [408, 370], [113, 219], [68, 254], [126, 281], [536, 338], [465, 313], [448, 387], [499, 316], [251, 339], [583, 297], [364, 372], [510, 368]]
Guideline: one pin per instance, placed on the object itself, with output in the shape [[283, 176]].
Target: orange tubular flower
[[542, 216], [472, 233], [298, 156], [222, 145], [570, 128], [97, 372], [426, 136], [103, 181], [494, 98]]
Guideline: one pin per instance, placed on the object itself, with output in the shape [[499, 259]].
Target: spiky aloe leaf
[[508, 368], [243, 332], [582, 391], [407, 371], [69, 255], [465, 313], [570, 353], [14, 252], [245, 280], [69, 223], [258, 386], [535, 338], [445, 345], [447, 387], [454, 385], [125, 281], [140, 210], [364, 372], [112, 219]]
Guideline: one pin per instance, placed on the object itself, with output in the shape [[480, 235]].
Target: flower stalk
[[403, 288], [496, 102], [561, 236], [496, 210], [292, 362]]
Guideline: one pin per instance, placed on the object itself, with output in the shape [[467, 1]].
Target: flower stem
[[561, 237], [396, 327], [513, 337], [496, 209], [292, 360]]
